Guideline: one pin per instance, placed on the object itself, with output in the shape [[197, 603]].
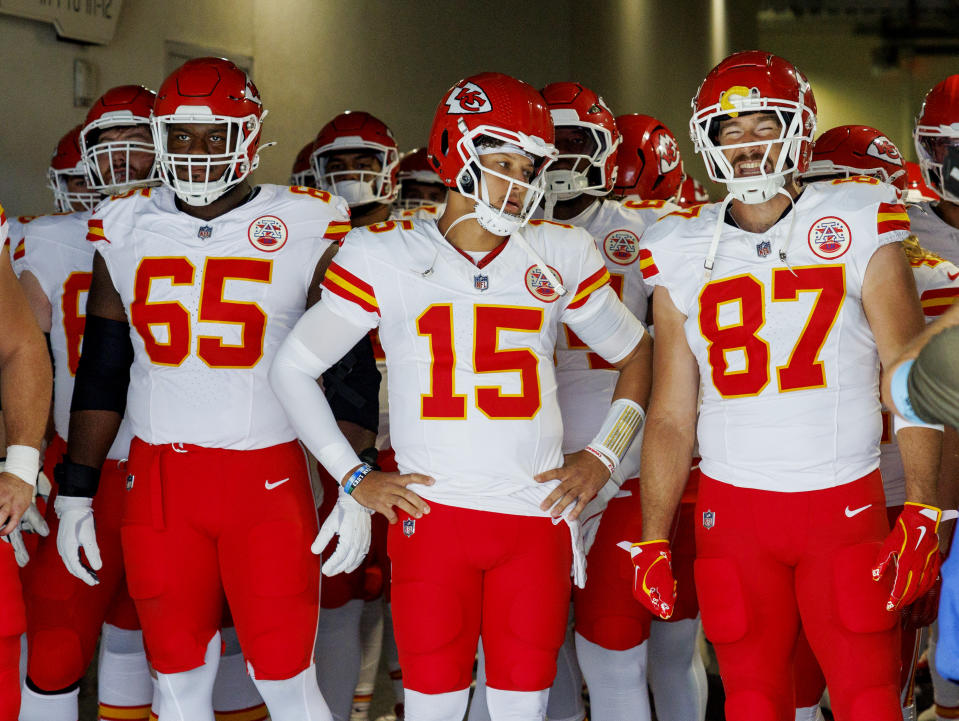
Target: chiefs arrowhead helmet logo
[[668, 151], [884, 149], [470, 98]]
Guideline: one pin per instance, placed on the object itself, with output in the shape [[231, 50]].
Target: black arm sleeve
[[353, 387], [103, 374], [934, 379]]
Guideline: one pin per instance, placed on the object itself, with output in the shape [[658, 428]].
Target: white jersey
[[469, 347], [937, 282], [788, 363], [933, 232], [433, 211], [208, 302], [55, 251], [586, 381]]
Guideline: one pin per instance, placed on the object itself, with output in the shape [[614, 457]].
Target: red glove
[[923, 611], [653, 582], [914, 545]]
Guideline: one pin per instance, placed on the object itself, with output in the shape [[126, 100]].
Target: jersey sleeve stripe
[[336, 231], [936, 302], [646, 264], [593, 283], [3, 216], [20, 250], [341, 282], [891, 216], [95, 230]]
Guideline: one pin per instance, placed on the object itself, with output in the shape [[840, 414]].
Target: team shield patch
[[481, 282], [470, 98], [763, 249], [205, 232], [829, 237], [267, 233], [621, 247], [709, 519], [539, 286], [409, 527]]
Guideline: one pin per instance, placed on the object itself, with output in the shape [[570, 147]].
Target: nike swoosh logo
[[850, 514], [953, 276], [922, 534], [271, 486]]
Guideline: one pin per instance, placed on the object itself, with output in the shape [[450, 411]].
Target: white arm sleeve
[[318, 340], [610, 330]]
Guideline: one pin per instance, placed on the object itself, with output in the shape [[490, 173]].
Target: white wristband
[[24, 463], [622, 423], [898, 423]]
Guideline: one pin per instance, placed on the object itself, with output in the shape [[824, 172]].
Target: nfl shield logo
[[763, 249], [409, 527], [130, 482], [709, 519], [481, 282], [205, 232]]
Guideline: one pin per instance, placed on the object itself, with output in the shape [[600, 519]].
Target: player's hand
[[382, 492], [653, 582], [31, 522], [581, 476], [16, 496], [912, 547], [77, 532], [351, 522]]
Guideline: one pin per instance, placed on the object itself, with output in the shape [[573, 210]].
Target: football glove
[[77, 532], [913, 547], [30, 522], [653, 582], [351, 522], [924, 610]]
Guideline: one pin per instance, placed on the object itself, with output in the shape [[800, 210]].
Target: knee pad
[[752, 705], [437, 605], [272, 657], [879, 703], [55, 659], [721, 598], [861, 602]]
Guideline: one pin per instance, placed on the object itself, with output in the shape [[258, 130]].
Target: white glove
[[351, 522], [44, 487], [30, 522], [76, 532]]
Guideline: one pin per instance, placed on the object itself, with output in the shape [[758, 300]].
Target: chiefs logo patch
[[829, 237], [539, 286], [884, 149], [267, 233], [621, 247], [668, 152], [470, 98]]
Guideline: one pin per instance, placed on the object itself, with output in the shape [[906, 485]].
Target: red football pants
[[767, 559], [12, 624], [458, 571], [65, 615], [199, 522]]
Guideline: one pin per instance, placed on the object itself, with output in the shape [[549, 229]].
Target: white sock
[[123, 674], [566, 693], [616, 681], [188, 696], [337, 654], [517, 705], [234, 690], [946, 692], [45, 707], [809, 713], [392, 653], [295, 699], [371, 642], [479, 710], [677, 675], [436, 706]]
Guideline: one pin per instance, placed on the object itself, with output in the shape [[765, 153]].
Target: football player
[[936, 224], [648, 164], [468, 310], [193, 285], [302, 172], [420, 186], [800, 297], [691, 193], [25, 383], [53, 261]]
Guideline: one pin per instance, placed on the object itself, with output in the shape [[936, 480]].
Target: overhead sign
[[92, 21]]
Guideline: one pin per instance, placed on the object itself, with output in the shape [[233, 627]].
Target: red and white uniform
[[469, 346], [208, 304], [933, 232], [790, 512]]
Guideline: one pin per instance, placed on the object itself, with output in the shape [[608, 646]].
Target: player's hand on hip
[[31, 522], [581, 476], [653, 583], [912, 550], [382, 492], [77, 533], [16, 496], [351, 522]]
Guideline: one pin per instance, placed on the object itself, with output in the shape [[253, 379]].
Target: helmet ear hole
[[445, 142], [466, 182]]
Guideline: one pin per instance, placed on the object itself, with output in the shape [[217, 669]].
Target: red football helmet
[[484, 113], [691, 193], [108, 162], [916, 189], [66, 163], [357, 132], [415, 168], [302, 173], [649, 164], [849, 150], [936, 129], [209, 91], [751, 82], [590, 159]]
